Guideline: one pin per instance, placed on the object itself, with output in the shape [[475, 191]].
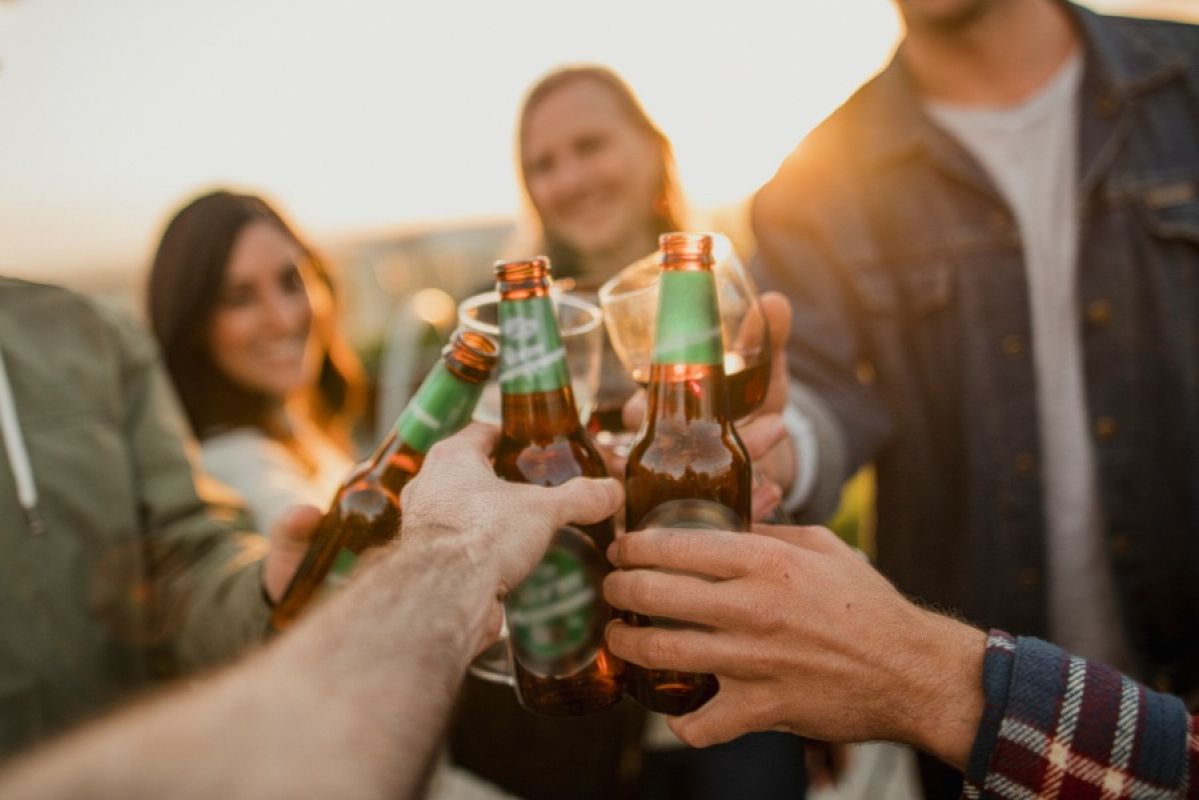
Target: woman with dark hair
[[598, 173], [243, 311]]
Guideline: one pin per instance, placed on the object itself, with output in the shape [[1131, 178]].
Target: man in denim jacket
[[993, 252]]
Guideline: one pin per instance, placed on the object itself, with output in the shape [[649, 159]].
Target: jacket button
[[1105, 428], [1024, 463], [1120, 543], [1107, 106], [1013, 346], [1099, 313], [865, 373], [1030, 577]]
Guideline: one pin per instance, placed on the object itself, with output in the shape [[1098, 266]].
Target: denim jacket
[[912, 329]]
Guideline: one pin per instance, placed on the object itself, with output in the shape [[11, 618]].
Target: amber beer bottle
[[556, 616], [366, 509], [687, 468]]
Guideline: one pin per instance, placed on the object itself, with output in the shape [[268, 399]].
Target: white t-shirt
[[1030, 151], [268, 475]]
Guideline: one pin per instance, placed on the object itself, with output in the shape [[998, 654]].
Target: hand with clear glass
[[756, 331]]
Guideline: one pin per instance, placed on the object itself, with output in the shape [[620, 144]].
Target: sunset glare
[[363, 116]]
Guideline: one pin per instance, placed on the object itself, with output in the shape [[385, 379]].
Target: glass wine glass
[[580, 327], [630, 304]]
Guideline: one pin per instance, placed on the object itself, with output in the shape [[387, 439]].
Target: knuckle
[[659, 649], [439, 451], [774, 562], [639, 590], [767, 615]]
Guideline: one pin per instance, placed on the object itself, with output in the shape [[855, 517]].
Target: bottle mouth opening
[[681, 246], [471, 355], [521, 270]]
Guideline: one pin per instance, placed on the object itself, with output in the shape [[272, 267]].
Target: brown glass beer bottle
[[366, 510], [556, 616], [687, 468]]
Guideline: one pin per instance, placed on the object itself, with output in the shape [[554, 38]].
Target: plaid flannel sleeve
[[1055, 725]]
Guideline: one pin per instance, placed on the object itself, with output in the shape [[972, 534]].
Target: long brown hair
[[668, 212], [184, 286]]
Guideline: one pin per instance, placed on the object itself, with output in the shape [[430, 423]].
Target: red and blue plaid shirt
[[1058, 726]]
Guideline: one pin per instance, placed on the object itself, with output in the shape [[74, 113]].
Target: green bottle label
[[532, 358], [440, 407], [688, 328], [343, 565], [556, 616]]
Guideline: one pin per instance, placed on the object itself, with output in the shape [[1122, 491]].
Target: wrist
[[942, 696]]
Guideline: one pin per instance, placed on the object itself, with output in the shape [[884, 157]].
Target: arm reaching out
[[351, 702], [805, 636]]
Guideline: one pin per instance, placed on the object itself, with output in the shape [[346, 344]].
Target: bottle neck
[[393, 463], [534, 378], [540, 416], [687, 380], [687, 393], [440, 407], [688, 324]]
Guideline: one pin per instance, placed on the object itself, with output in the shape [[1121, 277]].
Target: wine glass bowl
[[630, 305], [580, 325]]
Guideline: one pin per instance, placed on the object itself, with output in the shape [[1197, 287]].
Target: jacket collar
[[1123, 65]]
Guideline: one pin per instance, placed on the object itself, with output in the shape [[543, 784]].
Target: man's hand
[[763, 432], [765, 437], [288, 544], [803, 636], [508, 525]]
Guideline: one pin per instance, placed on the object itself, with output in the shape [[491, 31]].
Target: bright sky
[[360, 115]]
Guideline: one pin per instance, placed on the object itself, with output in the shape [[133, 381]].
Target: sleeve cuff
[[996, 678], [807, 455]]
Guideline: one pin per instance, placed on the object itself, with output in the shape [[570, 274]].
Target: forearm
[[349, 704]]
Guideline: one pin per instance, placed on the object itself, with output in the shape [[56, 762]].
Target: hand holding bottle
[[457, 496]]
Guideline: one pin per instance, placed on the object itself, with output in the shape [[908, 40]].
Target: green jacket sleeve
[[206, 576]]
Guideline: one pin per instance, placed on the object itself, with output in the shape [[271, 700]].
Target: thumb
[[761, 433], [777, 309], [297, 525], [288, 544], [583, 501], [721, 719]]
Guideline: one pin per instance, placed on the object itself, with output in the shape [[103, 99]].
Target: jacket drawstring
[[18, 456]]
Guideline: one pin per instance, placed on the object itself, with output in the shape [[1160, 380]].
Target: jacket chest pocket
[[908, 318], [904, 293], [1170, 216]]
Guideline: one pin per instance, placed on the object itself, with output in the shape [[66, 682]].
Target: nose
[[285, 313], [569, 179]]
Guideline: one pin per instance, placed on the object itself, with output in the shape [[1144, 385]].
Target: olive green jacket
[[132, 575]]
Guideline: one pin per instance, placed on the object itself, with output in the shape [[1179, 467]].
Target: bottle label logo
[[556, 616], [532, 358], [343, 564]]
